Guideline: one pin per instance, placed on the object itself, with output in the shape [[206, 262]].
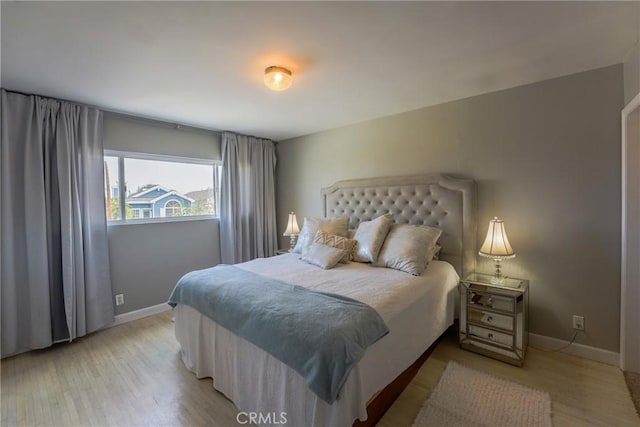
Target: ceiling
[[201, 63]]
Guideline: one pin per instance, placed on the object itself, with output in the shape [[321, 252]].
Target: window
[[145, 187], [173, 208]]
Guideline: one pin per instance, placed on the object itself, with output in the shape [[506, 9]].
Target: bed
[[260, 384]]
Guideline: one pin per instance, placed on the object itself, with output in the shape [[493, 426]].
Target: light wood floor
[[583, 392], [132, 375]]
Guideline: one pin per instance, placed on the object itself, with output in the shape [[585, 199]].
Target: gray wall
[[632, 74], [546, 157], [147, 259], [147, 136]]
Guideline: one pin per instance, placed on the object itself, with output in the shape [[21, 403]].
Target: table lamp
[[292, 230], [496, 246]]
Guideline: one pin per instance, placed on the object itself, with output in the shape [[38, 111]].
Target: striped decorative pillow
[[348, 245], [335, 225]]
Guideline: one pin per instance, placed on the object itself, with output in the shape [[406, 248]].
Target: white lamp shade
[[496, 244], [292, 226]]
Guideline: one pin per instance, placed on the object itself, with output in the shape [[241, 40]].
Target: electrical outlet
[[119, 299], [578, 323]]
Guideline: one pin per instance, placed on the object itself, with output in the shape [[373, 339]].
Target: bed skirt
[[257, 383]]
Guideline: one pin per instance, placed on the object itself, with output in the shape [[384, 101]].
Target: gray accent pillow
[[323, 255], [336, 226], [370, 236], [407, 247]]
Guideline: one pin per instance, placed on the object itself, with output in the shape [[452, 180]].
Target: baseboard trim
[[139, 314], [581, 350]]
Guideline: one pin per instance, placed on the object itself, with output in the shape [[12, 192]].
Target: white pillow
[[406, 248], [348, 245], [337, 226], [370, 236], [323, 255]]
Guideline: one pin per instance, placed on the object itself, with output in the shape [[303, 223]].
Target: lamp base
[[292, 242], [498, 277]]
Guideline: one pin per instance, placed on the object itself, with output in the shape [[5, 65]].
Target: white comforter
[[416, 309], [388, 291]]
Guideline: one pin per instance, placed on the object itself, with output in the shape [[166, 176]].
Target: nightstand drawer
[[492, 301], [489, 318], [489, 335]]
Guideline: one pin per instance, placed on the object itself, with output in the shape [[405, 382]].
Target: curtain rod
[[128, 116], [136, 118], [160, 122]]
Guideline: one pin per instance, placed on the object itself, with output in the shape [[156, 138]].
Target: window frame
[[122, 188]]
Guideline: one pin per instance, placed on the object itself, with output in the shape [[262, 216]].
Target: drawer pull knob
[[490, 302], [490, 336], [490, 319], [474, 298]]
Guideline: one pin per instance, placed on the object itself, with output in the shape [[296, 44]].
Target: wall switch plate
[[119, 299], [578, 323]]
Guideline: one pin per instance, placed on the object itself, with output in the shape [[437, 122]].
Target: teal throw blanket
[[320, 335]]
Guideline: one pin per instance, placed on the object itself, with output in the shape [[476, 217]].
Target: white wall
[[147, 259], [546, 157], [630, 319]]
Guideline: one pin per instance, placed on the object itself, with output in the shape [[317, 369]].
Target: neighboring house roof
[[200, 194], [148, 189], [136, 199]]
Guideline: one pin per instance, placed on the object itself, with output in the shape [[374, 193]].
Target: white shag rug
[[466, 397]]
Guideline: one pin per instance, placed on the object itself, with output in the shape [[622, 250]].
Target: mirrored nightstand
[[493, 317]]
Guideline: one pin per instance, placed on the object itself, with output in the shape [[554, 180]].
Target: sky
[[182, 177]]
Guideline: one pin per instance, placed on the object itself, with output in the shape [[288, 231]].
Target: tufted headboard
[[436, 200]]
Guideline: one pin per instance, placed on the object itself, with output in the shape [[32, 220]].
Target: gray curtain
[[55, 283], [247, 198]]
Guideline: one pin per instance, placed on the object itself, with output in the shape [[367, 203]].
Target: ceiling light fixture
[[277, 78]]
